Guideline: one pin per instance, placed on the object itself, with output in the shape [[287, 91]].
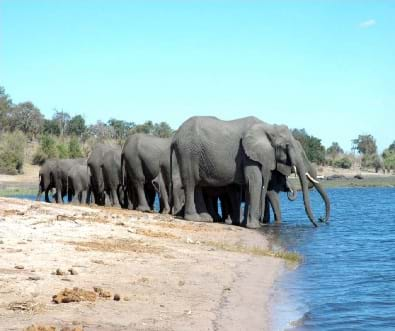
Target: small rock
[[1, 242], [126, 299], [59, 272], [98, 289], [34, 278], [181, 283], [66, 279], [132, 230], [20, 267], [190, 241], [72, 271], [117, 297]]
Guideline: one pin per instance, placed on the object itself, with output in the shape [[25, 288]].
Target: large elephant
[[46, 180], [60, 174], [146, 162], [78, 182], [212, 152]]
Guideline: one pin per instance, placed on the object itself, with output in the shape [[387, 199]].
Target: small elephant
[[46, 180], [78, 181]]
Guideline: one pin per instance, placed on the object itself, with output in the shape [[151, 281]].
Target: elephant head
[[274, 148]]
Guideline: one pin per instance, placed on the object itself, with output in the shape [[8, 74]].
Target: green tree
[[51, 127], [162, 130], [315, 151], [74, 148], [100, 131], [147, 128], [372, 161], [334, 150], [46, 150], [120, 128], [344, 163], [12, 152], [26, 118], [5, 108], [76, 126], [62, 150], [365, 144]]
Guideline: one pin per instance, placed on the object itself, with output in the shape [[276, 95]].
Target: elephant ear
[[258, 147]]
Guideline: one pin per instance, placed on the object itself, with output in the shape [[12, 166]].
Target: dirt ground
[[164, 274]]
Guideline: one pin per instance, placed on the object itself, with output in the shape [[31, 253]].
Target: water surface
[[347, 278]]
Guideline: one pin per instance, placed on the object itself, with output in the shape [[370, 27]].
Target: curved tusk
[[311, 178]]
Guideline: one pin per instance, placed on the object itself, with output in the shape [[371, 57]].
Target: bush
[[63, 151], [74, 148], [47, 150], [389, 159], [372, 161], [12, 151], [344, 163]]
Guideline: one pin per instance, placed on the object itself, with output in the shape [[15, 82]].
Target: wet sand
[[169, 274]]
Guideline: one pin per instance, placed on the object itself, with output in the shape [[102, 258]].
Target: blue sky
[[326, 66]]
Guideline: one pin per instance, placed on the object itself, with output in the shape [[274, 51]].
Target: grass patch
[[11, 191], [256, 251]]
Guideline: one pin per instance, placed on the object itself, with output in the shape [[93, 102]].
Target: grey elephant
[[212, 152], [95, 164], [46, 180], [78, 182], [60, 174], [146, 164], [112, 178]]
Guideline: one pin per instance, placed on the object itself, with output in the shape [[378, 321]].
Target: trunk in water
[[305, 189], [324, 197]]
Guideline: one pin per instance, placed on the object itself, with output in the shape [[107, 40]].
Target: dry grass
[[256, 251], [156, 234], [116, 245]]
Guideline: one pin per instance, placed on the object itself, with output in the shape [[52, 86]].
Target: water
[[347, 278]]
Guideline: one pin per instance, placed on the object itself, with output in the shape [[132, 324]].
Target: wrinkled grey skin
[[212, 152], [46, 182], [95, 164], [59, 175], [146, 163], [78, 183]]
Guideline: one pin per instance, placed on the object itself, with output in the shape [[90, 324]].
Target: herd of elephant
[[243, 163]]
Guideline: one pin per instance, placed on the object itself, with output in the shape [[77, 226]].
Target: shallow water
[[347, 278]]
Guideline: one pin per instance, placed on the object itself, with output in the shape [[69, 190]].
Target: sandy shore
[[169, 274]]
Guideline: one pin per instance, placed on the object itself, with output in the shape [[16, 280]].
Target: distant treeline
[[65, 136]]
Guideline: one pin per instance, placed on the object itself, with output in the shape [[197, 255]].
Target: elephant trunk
[[301, 171], [291, 192], [324, 197]]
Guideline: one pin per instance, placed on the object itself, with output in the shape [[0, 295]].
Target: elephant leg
[[47, 196], [114, 198], [201, 206], [83, 197], [266, 215], [256, 190], [164, 198], [142, 200], [40, 191], [234, 206], [275, 202]]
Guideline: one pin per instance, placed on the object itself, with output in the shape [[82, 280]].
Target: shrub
[[47, 150], [12, 151], [344, 163], [74, 148], [63, 151], [372, 161]]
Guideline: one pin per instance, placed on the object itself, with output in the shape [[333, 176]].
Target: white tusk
[[311, 178]]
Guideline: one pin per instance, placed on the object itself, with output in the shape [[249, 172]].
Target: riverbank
[[168, 273]]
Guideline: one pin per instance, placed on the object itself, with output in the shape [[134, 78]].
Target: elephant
[[212, 152], [60, 175], [78, 181], [112, 178], [145, 165], [95, 164], [46, 182], [278, 183]]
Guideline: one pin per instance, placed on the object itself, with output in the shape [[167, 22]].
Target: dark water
[[347, 278]]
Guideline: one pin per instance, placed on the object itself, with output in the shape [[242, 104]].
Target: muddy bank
[[139, 271]]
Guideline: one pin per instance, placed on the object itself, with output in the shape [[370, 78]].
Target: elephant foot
[[165, 211], [253, 224], [192, 217], [205, 217], [143, 208]]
